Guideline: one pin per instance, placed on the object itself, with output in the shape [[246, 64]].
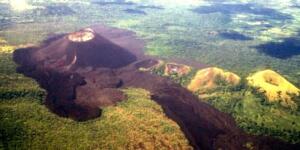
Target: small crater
[[82, 36]]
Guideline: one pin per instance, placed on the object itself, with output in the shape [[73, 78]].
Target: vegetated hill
[[208, 78], [275, 87]]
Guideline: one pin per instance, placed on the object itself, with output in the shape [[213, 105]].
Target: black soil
[[81, 78]]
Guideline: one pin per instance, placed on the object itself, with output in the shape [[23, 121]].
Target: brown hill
[[207, 78]]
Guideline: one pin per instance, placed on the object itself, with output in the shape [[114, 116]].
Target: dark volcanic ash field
[[84, 71]]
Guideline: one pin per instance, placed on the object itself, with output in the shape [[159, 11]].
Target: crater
[[82, 36]]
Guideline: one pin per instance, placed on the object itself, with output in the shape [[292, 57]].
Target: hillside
[[210, 78], [275, 87]]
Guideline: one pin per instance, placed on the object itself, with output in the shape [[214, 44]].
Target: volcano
[[84, 71], [84, 48], [67, 66]]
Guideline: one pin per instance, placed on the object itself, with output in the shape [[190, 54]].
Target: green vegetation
[[135, 123], [258, 117], [255, 114], [13, 85]]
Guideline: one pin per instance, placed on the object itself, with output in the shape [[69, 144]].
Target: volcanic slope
[[84, 71]]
